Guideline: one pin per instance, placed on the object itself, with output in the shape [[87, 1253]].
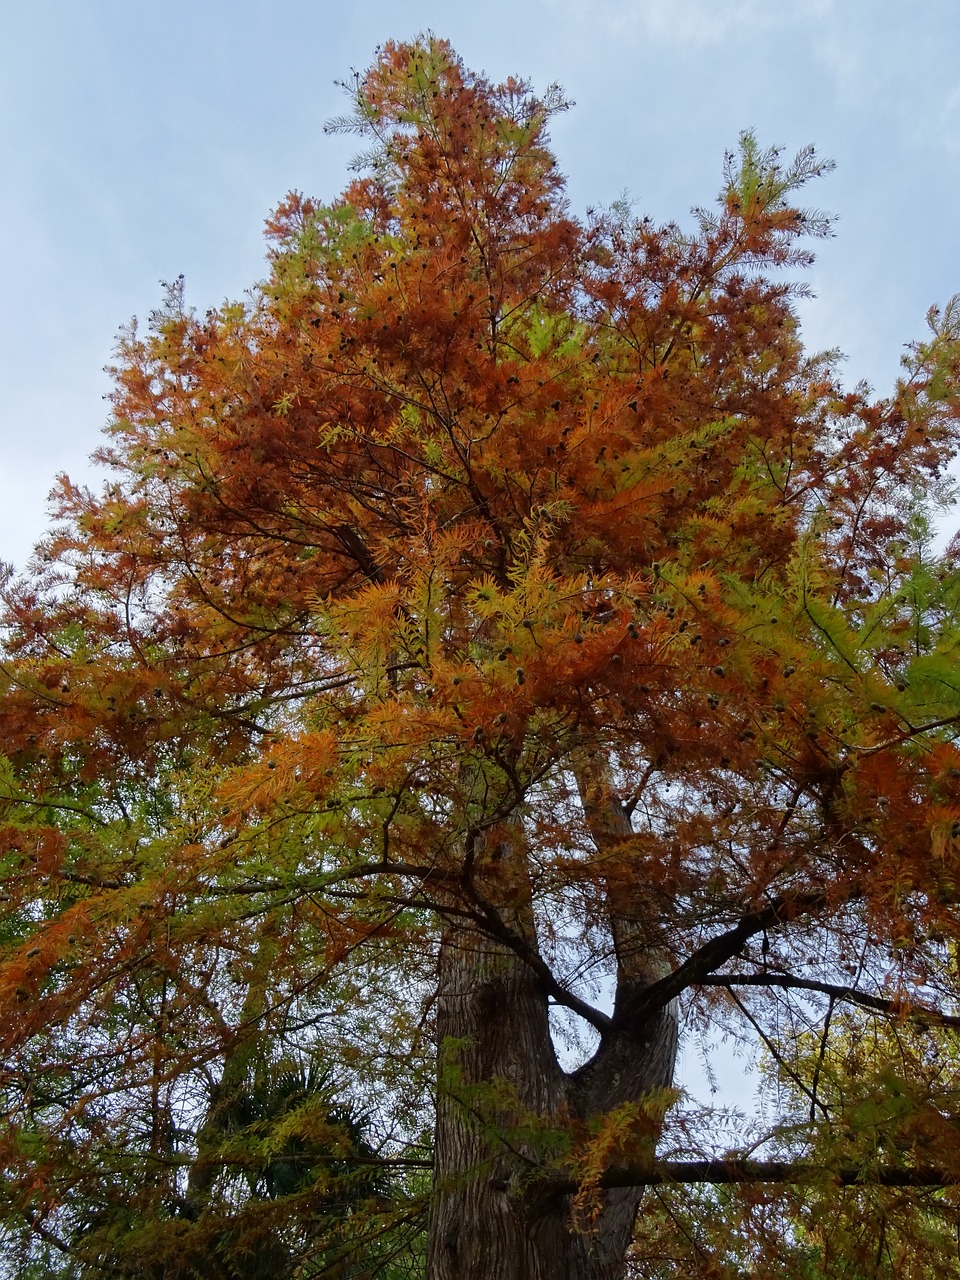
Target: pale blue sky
[[139, 141]]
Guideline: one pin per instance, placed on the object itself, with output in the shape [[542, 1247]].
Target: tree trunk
[[498, 1068]]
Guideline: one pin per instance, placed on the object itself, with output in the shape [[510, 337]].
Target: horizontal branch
[[782, 1172], [717, 1172], [878, 1004], [788, 1172], [721, 1172]]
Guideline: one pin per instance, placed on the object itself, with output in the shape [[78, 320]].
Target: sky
[[140, 141]]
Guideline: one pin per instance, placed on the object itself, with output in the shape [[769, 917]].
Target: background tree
[[869, 1103], [494, 613]]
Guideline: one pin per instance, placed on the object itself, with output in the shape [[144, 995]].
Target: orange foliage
[[488, 574]]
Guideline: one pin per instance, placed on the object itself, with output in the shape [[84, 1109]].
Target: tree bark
[[498, 1070]]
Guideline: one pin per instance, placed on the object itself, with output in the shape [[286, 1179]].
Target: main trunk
[[498, 1070]]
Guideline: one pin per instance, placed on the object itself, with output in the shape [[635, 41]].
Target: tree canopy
[[498, 649]]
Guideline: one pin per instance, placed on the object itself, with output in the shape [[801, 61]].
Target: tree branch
[[784, 1172], [706, 959], [879, 1004]]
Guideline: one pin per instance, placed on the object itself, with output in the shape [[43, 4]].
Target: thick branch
[[785, 1172], [708, 958]]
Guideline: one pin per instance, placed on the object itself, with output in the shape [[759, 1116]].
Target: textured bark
[[490, 1219], [489, 1005]]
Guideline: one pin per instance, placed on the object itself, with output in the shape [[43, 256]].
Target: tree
[[496, 611], [871, 1189]]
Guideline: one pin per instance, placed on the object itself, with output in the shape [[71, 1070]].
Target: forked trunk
[[489, 1219]]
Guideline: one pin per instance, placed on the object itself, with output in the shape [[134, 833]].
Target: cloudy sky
[[139, 141]]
